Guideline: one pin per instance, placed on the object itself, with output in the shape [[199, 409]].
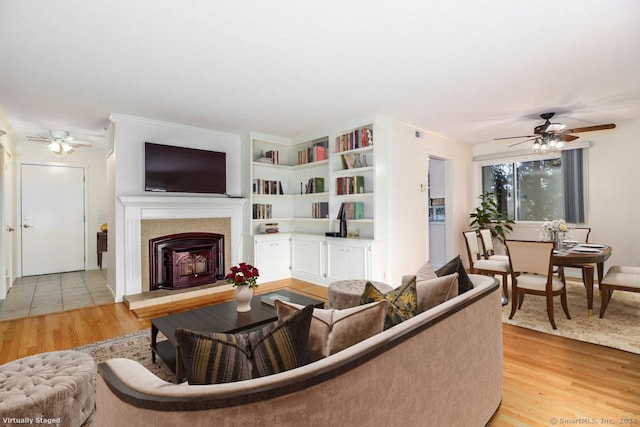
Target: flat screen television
[[172, 169]]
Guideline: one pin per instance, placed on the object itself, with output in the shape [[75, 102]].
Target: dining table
[[588, 257]]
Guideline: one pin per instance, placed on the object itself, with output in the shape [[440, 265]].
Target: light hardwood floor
[[548, 380]]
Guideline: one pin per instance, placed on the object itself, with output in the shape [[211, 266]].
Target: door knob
[[10, 229], [27, 226]]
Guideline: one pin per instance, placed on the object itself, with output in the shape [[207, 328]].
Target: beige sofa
[[441, 368]]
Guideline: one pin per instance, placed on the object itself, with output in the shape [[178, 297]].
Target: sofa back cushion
[[334, 330], [432, 292], [211, 357]]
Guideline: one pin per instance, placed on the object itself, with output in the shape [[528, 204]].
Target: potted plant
[[487, 215], [244, 278]]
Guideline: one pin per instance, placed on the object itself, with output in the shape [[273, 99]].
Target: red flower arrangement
[[243, 275]]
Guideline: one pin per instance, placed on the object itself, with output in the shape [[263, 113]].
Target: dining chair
[[487, 245], [480, 265], [532, 273], [580, 235]]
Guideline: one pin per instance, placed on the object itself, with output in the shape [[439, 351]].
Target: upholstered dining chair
[[487, 244], [581, 234], [490, 267], [532, 273]]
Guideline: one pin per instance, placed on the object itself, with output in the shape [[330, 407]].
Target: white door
[[52, 208]]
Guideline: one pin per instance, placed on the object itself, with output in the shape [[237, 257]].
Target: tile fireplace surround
[[165, 213]]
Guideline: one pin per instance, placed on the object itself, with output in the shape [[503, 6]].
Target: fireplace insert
[[185, 260]]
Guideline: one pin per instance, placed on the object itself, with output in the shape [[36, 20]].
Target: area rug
[[620, 327], [134, 346]]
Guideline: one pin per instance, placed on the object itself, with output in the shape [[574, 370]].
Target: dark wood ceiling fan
[[559, 131]]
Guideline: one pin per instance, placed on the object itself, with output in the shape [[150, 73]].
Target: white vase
[[243, 294]]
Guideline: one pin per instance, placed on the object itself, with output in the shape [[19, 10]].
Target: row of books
[[262, 211], [265, 186], [315, 153], [270, 157], [359, 138], [350, 185], [312, 154], [320, 210], [314, 185], [268, 228], [351, 210]]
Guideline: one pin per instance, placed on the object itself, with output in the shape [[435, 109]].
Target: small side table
[[102, 245]]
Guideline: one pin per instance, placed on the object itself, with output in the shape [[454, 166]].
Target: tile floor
[[35, 295]]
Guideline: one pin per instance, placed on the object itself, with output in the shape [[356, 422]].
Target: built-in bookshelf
[[353, 180], [309, 183], [293, 179], [314, 186]]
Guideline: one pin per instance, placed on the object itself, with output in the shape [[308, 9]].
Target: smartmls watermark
[[619, 421], [30, 421]]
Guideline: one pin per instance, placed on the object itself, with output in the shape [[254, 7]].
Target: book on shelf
[[359, 138], [315, 185], [264, 186], [351, 210], [274, 155], [262, 211], [348, 161], [268, 228], [312, 154], [350, 185], [320, 210]]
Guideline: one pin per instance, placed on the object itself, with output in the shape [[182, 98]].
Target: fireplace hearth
[[186, 259]]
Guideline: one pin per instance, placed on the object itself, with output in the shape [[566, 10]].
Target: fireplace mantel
[[138, 208]]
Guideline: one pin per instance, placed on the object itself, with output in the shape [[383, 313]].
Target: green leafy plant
[[487, 215]]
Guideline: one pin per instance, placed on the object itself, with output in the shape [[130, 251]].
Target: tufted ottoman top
[[346, 293], [55, 388]]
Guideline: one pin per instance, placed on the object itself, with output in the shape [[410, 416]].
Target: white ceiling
[[470, 70]]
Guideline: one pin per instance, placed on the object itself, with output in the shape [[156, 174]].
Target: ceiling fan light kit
[[549, 137], [59, 141]]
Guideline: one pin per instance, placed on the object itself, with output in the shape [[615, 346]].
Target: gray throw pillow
[[455, 266]]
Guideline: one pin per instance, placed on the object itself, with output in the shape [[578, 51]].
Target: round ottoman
[[55, 388], [346, 293]]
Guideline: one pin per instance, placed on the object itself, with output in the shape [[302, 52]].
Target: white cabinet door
[[307, 257], [348, 259], [272, 257]]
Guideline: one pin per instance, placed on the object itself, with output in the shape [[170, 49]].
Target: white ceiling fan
[[59, 141]]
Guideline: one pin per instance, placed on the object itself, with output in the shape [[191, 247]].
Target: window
[[539, 190]]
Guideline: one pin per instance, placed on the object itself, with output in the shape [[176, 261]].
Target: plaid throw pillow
[[211, 357]]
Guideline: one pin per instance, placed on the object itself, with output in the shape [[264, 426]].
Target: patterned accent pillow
[[455, 266], [211, 357], [334, 330], [402, 301]]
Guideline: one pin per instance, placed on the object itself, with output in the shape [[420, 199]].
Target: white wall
[[126, 170], [93, 160], [408, 223], [8, 240], [613, 193]]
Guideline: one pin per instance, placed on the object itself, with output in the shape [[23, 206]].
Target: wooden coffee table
[[215, 318]]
